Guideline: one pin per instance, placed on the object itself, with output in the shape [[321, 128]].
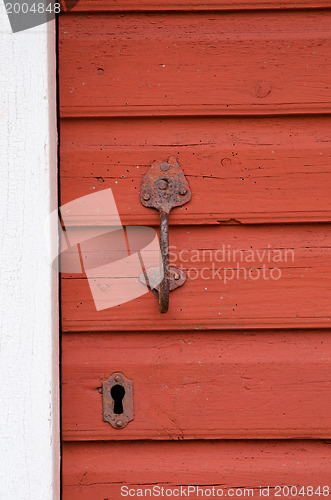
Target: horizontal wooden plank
[[175, 64], [237, 276], [250, 170], [190, 5], [99, 470], [201, 385]]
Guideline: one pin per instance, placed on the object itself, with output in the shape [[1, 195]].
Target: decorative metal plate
[[165, 186], [177, 278], [117, 420]]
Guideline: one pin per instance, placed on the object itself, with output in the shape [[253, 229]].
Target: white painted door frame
[[29, 388]]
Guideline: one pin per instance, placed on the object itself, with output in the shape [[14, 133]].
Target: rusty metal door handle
[[163, 188]]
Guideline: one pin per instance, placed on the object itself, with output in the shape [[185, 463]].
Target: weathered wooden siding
[[239, 93], [180, 379], [98, 471], [218, 293], [198, 64], [253, 170], [89, 6]]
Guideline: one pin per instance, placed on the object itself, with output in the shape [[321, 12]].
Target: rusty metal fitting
[[162, 184]]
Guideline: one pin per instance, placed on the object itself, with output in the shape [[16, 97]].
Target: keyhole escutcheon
[[117, 400]]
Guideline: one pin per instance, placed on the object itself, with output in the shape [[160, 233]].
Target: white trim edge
[[29, 388]]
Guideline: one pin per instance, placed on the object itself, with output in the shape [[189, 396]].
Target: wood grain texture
[[201, 385], [216, 64], [251, 170], [98, 470], [212, 297], [29, 390], [192, 5]]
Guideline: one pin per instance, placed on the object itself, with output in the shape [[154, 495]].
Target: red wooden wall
[[233, 385]]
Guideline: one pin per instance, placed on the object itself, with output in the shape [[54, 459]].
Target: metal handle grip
[[164, 247], [163, 188]]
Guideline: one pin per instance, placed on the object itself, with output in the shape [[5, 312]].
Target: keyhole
[[117, 393]]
